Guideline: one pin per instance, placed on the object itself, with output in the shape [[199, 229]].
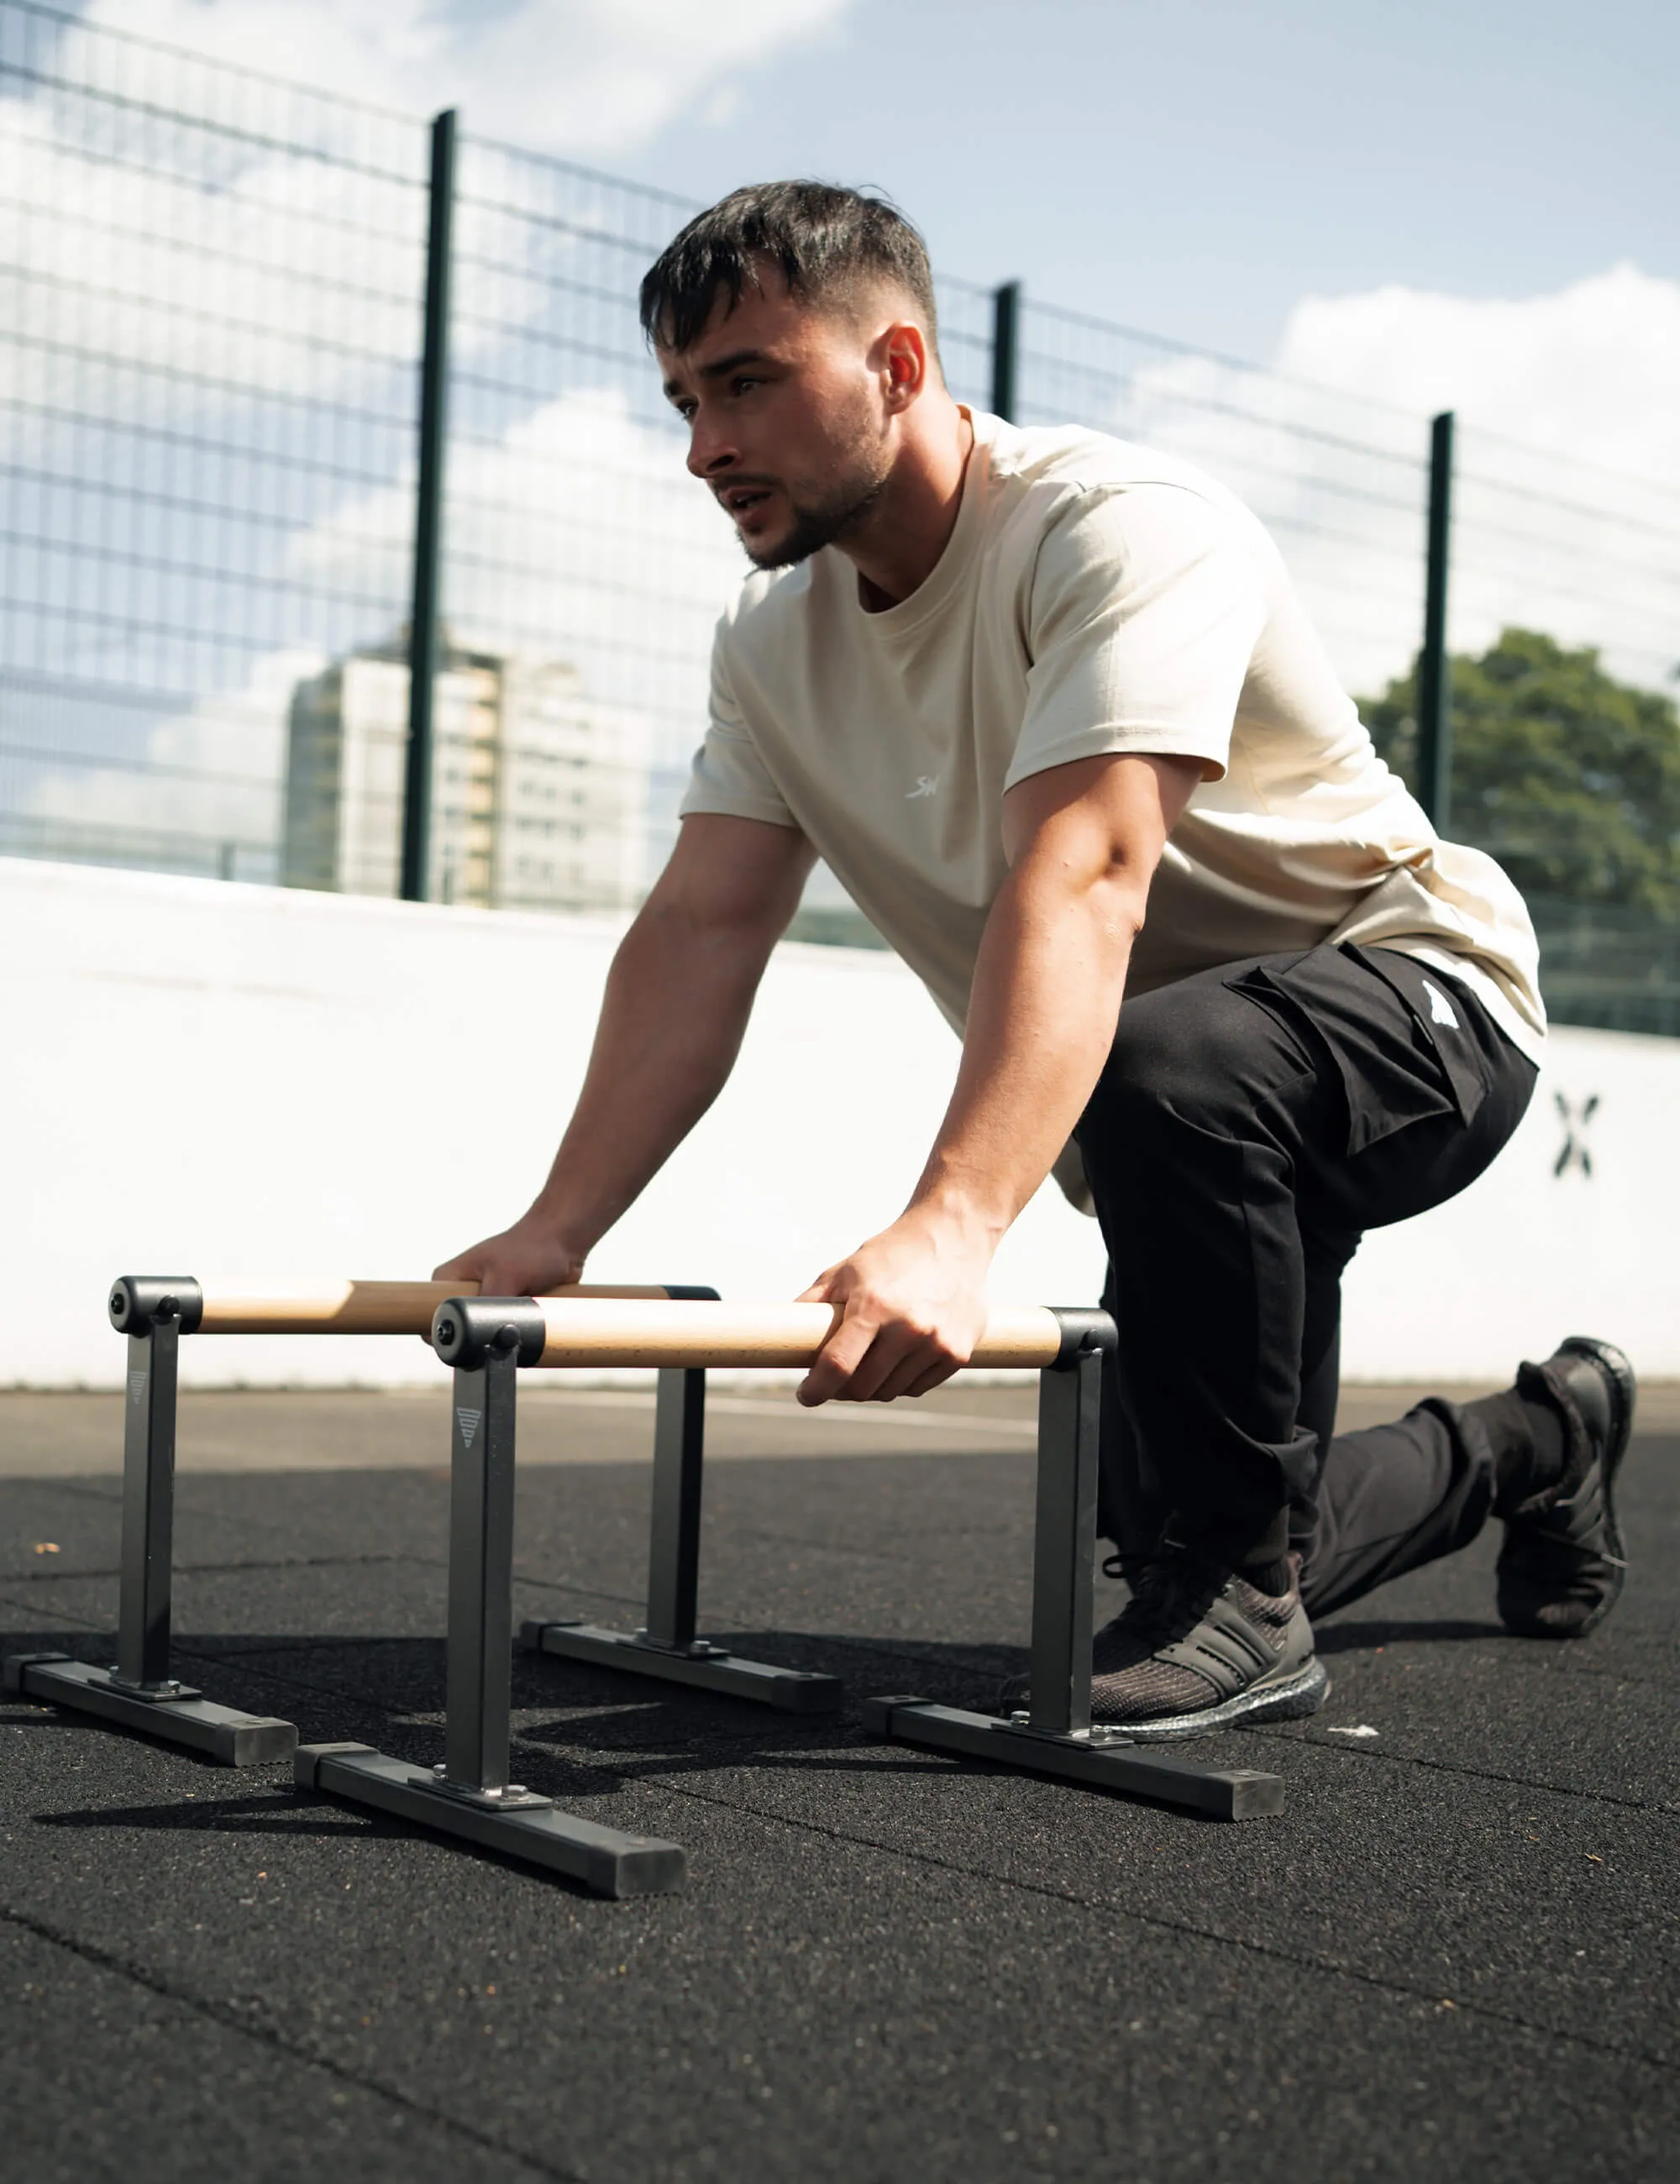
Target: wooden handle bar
[[367, 1308], [599, 1333]]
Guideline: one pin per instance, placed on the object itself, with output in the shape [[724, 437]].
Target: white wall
[[266, 1088]]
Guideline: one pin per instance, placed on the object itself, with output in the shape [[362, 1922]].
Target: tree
[[1569, 777]]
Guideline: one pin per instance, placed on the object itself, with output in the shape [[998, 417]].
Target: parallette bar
[[599, 1332], [369, 1307]]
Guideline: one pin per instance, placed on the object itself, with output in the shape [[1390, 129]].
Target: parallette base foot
[[1226, 1793], [197, 1724], [794, 1691], [605, 1860]]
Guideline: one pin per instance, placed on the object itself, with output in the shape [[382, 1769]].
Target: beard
[[817, 524]]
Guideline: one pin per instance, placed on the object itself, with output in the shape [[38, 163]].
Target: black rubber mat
[[1456, 1954]]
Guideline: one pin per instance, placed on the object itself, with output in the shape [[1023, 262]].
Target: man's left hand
[[914, 1308]]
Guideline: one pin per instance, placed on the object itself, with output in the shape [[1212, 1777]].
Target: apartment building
[[539, 793]]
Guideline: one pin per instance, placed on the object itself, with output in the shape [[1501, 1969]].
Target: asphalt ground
[[1454, 1955]]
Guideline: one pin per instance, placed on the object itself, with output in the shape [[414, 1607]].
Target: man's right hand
[[527, 1260]]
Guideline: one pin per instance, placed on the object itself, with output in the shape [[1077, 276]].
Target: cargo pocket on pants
[[1376, 1024]]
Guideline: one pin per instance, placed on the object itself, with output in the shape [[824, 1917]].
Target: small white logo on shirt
[[1440, 1008], [927, 784]]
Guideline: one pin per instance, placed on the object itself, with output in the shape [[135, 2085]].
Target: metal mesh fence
[[210, 295], [1590, 556], [210, 319], [576, 535], [213, 297], [576, 544], [966, 339], [1342, 483]]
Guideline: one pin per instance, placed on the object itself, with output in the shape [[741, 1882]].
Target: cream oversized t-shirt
[[1094, 597]]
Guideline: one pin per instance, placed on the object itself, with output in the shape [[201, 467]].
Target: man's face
[[788, 422]]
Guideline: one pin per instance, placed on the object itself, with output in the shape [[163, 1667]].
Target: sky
[[1424, 201], [1467, 207]]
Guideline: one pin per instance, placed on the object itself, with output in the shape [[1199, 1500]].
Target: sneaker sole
[[1619, 1372], [1302, 1694]]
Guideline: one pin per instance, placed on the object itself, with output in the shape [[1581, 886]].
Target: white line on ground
[[894, 1416]]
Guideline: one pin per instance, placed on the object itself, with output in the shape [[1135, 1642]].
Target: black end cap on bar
[[680, 1293], [1083, 1328], [139, 1302], [466, 1332]]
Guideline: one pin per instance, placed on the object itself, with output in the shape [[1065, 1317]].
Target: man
[[1019, 688]]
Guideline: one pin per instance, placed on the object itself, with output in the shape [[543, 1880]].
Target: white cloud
[[1567, 461], [1588, 372], [1568, 453], [245, 274], [264, 270], [584, 78]]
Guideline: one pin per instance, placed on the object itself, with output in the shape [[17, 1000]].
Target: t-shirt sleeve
[[1146, 605], [729, 775]]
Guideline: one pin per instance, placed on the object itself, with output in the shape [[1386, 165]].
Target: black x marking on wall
[[1575, 1153]]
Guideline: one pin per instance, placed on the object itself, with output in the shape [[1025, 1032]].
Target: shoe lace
[[1170, 1592]]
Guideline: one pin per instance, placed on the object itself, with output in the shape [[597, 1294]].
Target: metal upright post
[[1434, 690], [1064, 1544], [482, 1574], [423, 646], [148, 1506], [153, 1312], [673, 1542], [1005, 349], [1056, 1736], [666, 1646], [486, 1340]]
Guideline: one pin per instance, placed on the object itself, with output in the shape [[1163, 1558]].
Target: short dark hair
[[823, 239]]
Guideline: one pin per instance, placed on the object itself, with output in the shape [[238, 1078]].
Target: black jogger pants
[[1250, 1123]]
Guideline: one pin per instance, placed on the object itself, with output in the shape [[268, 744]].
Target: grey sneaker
[[1198, 1648], [1563, 1563]]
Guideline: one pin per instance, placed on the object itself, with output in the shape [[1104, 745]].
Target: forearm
[[676, 1004], [1047, 991], [1084, 842]]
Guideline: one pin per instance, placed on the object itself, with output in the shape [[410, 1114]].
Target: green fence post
[[1005, 349], [1435, 690], [429, 514]]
